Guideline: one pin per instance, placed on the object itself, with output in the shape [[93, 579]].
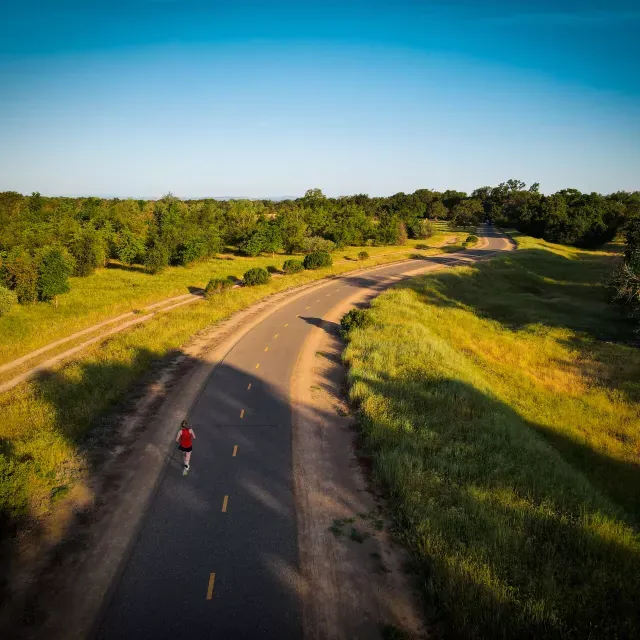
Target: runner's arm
[[193, 435]]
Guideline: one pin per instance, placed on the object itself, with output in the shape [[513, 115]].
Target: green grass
[[49, 424], [118, 289], [500, 404]]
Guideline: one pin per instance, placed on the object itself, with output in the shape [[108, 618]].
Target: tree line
[[45, 240]]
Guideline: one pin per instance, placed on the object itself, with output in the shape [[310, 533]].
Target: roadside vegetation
[[500, 404]]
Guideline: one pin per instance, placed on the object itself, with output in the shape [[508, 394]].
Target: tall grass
[[500, 405]]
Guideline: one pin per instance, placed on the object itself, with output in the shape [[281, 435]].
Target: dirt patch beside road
[[355, 585]]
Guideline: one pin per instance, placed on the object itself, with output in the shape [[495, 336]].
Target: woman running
[[185, 439]]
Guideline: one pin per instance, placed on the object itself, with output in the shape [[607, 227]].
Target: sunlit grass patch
[[497, 403]]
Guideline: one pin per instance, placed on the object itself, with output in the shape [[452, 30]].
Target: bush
[[363, 255], [354, 319], [292, 266], [7, 299], [472, 239], [53, 274], [317, 243], [216, 286], [255, 276], [157, 258], [317, 260]]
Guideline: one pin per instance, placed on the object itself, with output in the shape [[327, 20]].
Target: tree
[[53, 274], [129, 247], [467, 213], [21, 274], [253, 245], [438, 211], [272, 238], [88, 249], [293, 230], [157, 258]]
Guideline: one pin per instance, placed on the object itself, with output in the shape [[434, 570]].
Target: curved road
[[217, 556]]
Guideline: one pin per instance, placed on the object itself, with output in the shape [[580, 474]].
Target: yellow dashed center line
[[242, 414], [249, 387], [266, 348], [307, 308], [274, 337], [286, 325], [224, 504], [235, 451], [212, 579], [258, 365]]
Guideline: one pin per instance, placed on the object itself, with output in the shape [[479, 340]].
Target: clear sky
[[133, 98]]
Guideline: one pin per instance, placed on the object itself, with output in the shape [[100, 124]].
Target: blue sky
[[133, 98]]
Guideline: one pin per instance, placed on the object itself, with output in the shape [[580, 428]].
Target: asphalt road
[[217, 555]]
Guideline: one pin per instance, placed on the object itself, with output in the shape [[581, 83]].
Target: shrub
[[354, 319], [472, 239], [292, 266], [21, 275], [255, 276], [216, 286], [157, 258], [317, 243], [363, 255], [7, 299], [317, 260], [53, 274]]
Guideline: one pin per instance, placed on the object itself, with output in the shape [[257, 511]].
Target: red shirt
[[185, 438]]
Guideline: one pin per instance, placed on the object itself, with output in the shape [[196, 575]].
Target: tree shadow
[[533, 287], [332, 328], [132, 268], [196, 291], [508, 535]]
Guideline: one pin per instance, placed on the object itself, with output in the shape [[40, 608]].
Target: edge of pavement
[[83, 586]]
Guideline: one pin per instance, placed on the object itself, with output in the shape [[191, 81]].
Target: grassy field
[[119, 289], [46, 421], [500, 404]]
